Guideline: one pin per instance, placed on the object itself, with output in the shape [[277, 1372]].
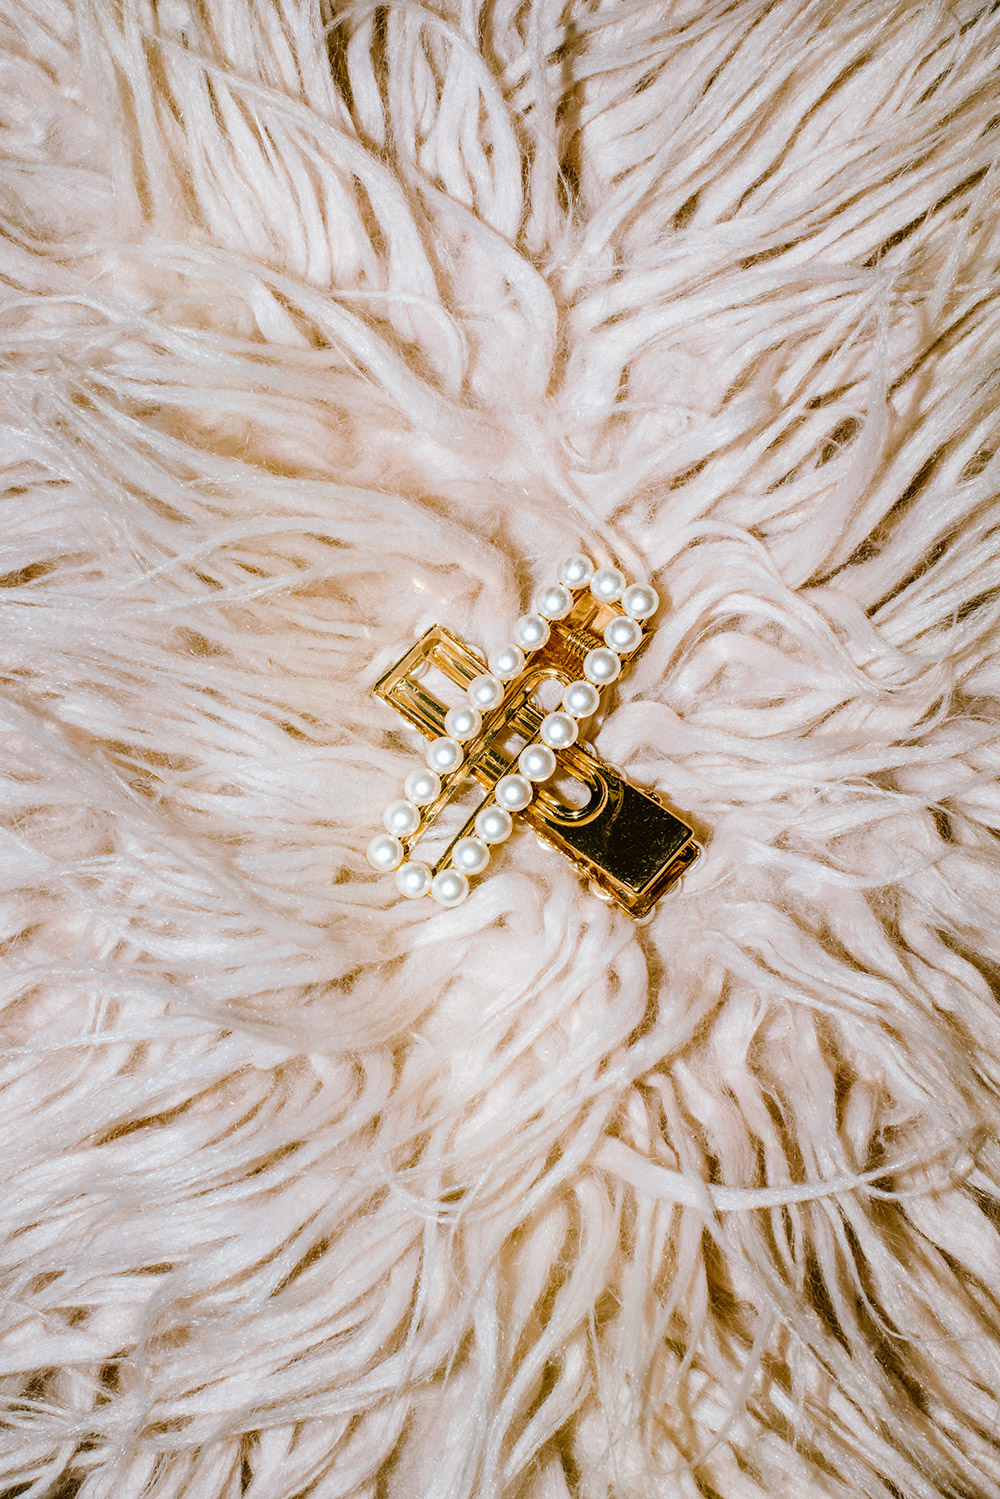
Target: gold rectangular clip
[[624, 840]]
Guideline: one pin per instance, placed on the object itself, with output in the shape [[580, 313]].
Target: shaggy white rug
[[321, 325]]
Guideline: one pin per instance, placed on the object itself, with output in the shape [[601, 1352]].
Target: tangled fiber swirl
[[321, 323]]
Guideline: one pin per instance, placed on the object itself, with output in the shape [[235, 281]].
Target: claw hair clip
[[495, 738]]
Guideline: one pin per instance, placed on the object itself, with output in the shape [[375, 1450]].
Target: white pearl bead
[[513, 793], [422, 786], [531, 632], [463, 723], [640, 601], [622, 634], [485, 691], [537, 762], [444, 755], [576, 571], [581, 699], [558, 730], [553, 602], [413, 879], [607, 584], [402, 819], [450, 887], [506, 661], [601, 666], [384, 853], [493, 824], [470, 855]]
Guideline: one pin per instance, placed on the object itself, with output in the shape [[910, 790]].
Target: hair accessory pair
[[507, 732]]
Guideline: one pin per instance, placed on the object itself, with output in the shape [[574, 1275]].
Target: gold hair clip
[[491, 732]]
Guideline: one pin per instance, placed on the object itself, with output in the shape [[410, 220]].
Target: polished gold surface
[[623, 839]]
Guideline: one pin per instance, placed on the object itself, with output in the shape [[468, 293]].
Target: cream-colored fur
[[318, 326]]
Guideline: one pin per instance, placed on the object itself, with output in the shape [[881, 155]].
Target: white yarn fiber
[[321, 323]]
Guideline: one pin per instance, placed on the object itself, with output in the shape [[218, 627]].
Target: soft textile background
[[319, 325]]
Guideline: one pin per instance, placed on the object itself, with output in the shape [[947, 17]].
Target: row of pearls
[[445, 755], [537, 761], [493, 824]]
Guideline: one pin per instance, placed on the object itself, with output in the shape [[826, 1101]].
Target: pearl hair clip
[[498, 735]]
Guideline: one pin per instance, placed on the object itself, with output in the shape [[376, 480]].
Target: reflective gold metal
[[624, 840]]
